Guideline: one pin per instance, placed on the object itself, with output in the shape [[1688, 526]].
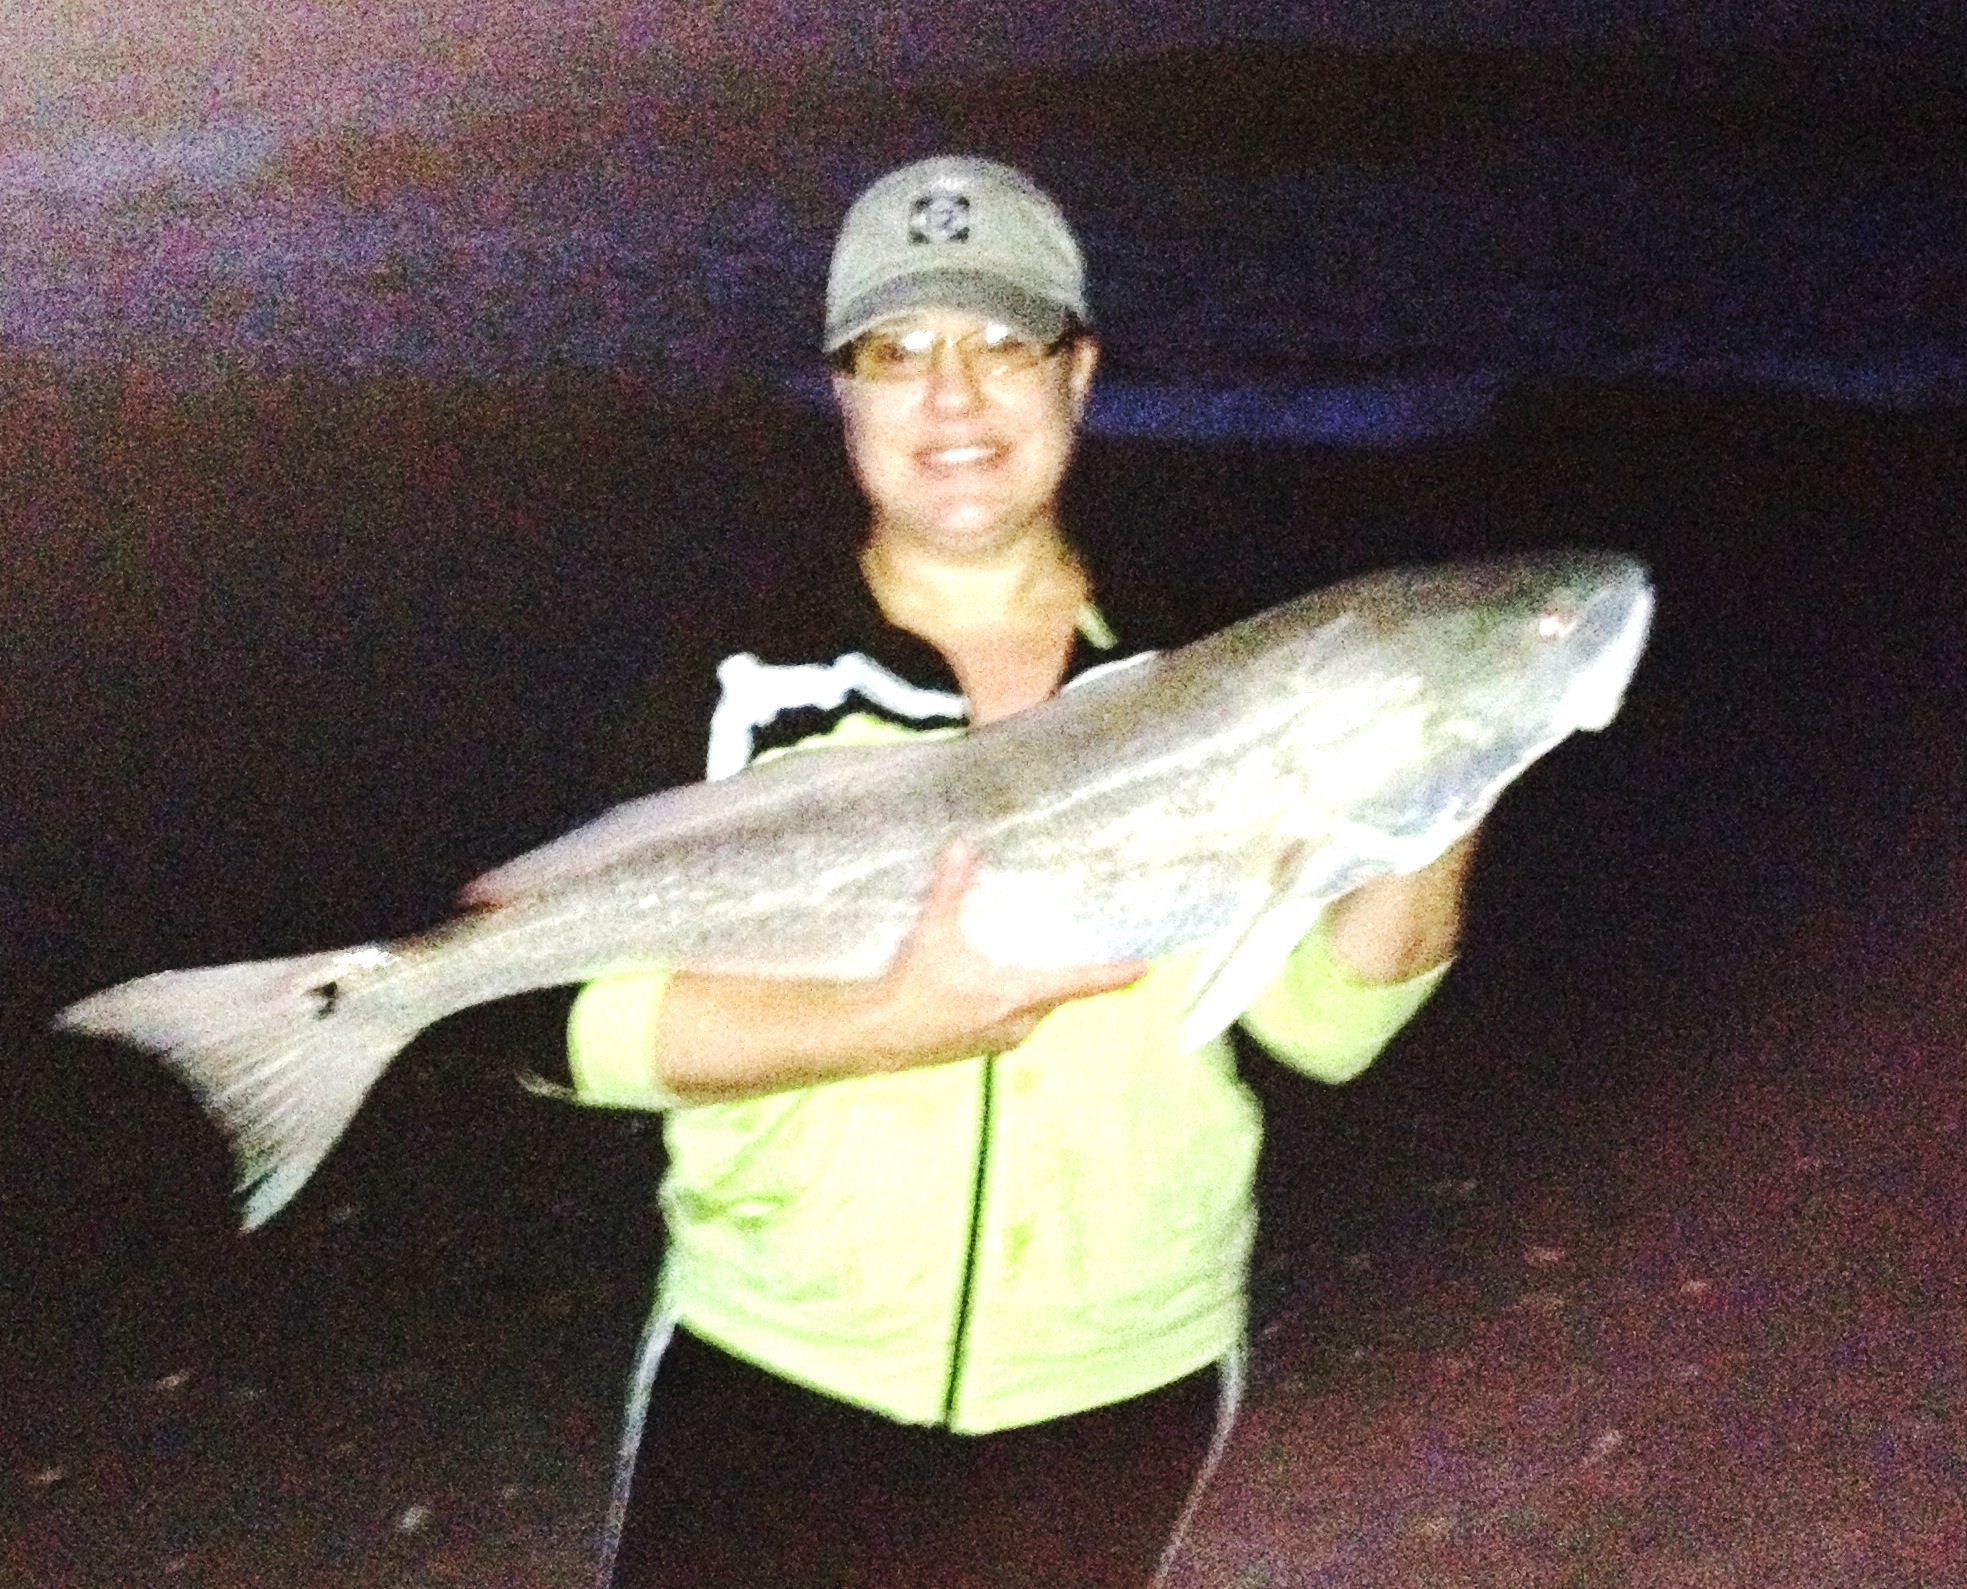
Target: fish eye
[[1554, 623]]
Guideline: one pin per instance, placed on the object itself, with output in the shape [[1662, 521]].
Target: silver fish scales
[[1213, 798]]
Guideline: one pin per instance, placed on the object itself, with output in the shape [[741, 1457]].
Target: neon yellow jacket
[[993, 1242]]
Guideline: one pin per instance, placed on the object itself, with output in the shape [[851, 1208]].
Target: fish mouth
[[1613, 626]]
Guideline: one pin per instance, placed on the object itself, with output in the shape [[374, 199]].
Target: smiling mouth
[[960, 457]]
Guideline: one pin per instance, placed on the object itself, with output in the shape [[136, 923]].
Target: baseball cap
[[955, 232]]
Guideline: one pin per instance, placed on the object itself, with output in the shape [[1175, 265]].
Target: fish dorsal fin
[[1242, 960], [675, 815]]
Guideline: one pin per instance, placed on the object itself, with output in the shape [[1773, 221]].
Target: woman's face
[[960, 430]]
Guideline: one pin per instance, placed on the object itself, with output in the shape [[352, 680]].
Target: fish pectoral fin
[[1229, 979], [533, 1082], [1243, 959]]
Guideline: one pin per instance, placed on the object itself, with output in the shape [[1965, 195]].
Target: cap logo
[[939, 218]]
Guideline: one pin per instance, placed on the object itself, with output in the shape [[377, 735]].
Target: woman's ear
[[1079, 375]]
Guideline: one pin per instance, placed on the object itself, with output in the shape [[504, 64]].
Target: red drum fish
[[1213, 798]]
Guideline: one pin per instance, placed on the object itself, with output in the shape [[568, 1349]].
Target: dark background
[[290, 651]]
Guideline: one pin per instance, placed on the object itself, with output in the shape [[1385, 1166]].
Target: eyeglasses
[[995, 352]]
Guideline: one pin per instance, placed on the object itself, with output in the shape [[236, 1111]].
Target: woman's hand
[[942, 999], [721, 1037]]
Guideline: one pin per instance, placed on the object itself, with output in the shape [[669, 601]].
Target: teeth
[[957, 455]]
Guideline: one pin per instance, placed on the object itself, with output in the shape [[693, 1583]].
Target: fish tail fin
[[276, 1051]]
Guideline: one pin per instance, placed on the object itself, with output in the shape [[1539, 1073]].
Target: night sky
[[460, 189], [99, 97]]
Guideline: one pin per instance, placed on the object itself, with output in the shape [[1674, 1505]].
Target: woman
[[954, 1286]]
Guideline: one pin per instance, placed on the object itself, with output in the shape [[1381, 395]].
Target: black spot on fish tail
[[325, 997], [1286, 864]]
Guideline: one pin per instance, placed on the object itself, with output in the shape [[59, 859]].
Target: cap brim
[[977, 292]]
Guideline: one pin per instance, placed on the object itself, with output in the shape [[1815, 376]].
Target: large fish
[[1211, 798]]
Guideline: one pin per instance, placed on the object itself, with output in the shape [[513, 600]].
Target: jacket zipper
[[960, 1341]]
